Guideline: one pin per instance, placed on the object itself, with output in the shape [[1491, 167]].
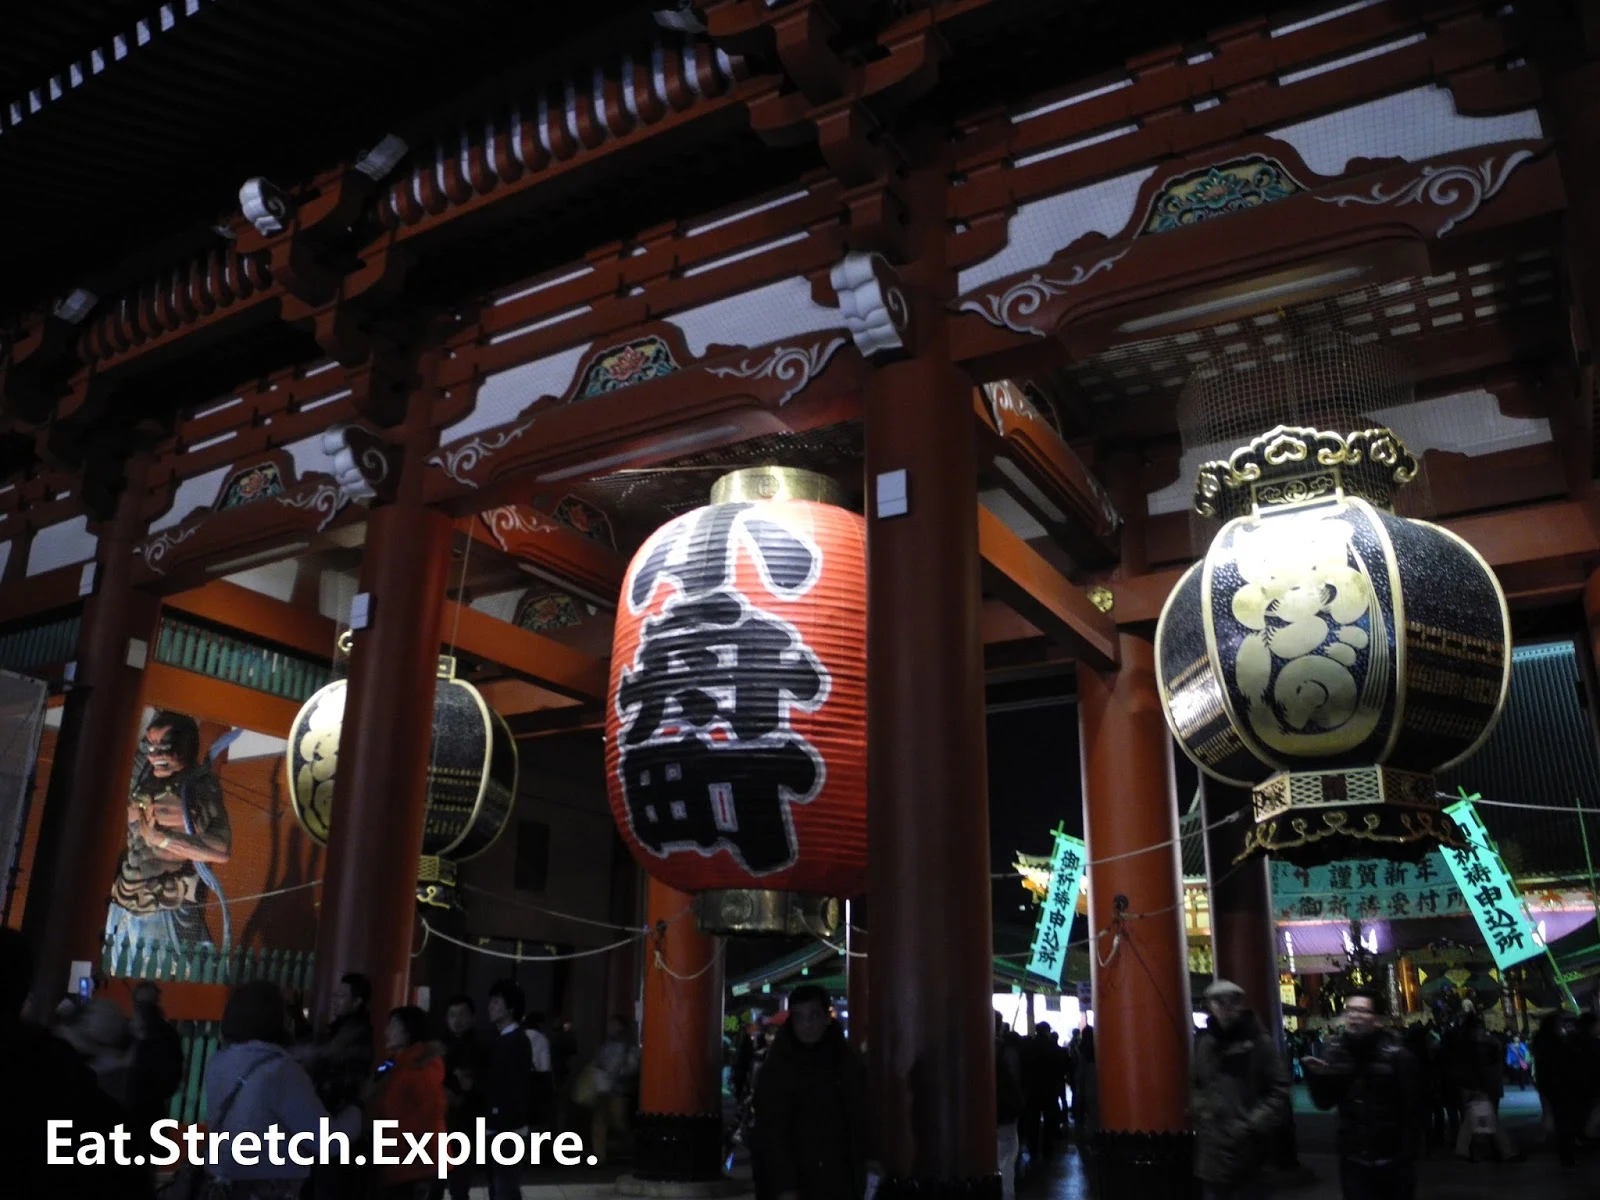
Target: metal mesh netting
[[22, 704], [1314, 376]]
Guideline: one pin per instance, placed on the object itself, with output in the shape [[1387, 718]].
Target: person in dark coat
[[52, 1083], [507, 1082], [811, 1108], [1370, 1077], [1008, 1103], [1240, 1098], [156, 1070], [463, 1069], [1559, 1075]]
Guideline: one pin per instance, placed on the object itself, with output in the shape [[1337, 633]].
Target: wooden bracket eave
[[553, 552], [1020, 576], [1021, 454], [1083, 292], [530, 656], [786, 386]]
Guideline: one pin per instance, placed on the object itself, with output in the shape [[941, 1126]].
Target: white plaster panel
[[502, 606], [1468, 423], [1412, 125], [506, 393], [199, 492], [308, 456], [5, 556], [335, 591], [61, 545], [275, 579], [1042, 228], [777, 310], [251, 744], [52, 716]]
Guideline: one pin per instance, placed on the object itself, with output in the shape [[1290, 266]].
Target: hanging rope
[[539, 908], [520, 957], [298, 887], [658, 936]]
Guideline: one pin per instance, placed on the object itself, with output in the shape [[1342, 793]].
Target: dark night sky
[[1035, 780]]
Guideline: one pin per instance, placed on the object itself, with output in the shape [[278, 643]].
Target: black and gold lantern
[[472, 776], [1327, 653]]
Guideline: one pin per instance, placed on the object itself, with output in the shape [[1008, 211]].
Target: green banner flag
[[1067, 866], [1489, 891]]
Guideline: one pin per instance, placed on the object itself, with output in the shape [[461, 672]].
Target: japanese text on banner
[[1489, 892], [1067, 866]]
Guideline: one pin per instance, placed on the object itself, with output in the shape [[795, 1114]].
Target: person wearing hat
[[1240, 1097]]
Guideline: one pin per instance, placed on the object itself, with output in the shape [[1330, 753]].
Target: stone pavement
[[1440, 1177]]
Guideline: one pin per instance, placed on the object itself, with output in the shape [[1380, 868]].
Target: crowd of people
[[1399, 1094], [801, 1089], [97, 1067]]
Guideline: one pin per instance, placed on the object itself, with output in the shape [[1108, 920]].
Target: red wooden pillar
[[84, 826], [1143, 1024], [375, 837], [678, 1133], [1243, 932], [930, 1008]]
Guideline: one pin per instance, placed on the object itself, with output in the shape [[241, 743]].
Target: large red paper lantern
[[736, 730]]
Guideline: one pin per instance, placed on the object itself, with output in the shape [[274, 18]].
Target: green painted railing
[[52, 641], [130, 958], [200, 1041], [236, 659]]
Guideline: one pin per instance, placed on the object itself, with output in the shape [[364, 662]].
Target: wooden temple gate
[[359, 369]]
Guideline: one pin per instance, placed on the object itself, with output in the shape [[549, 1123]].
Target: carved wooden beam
[[262, 616], [1110, 291], [1019, 451], [207, 544], [529, 656], [1017, 573], [788, 385], [209, 699], [553, 552]]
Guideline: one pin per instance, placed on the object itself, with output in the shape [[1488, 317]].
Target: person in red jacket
[[409, 1089]]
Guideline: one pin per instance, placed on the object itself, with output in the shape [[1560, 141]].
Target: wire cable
[[520, 957]]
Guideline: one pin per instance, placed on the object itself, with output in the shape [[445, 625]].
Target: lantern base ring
[[758, 911]]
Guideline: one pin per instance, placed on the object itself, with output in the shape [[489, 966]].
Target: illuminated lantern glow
[[1329, 654], [472, 776], [736, 727]]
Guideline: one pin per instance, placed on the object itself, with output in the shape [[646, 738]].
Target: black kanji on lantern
[[708, 757]]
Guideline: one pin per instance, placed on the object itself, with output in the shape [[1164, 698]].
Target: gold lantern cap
[[1292, 465], [756, 484]]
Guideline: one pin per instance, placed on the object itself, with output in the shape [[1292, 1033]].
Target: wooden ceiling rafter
[[1163, 94], [228, 282]]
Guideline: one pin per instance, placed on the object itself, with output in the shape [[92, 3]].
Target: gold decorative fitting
[[436, 881], [756, 484], [1283, 834], [1101, 598], [347, 641], [763, 911], [1292, 465]]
